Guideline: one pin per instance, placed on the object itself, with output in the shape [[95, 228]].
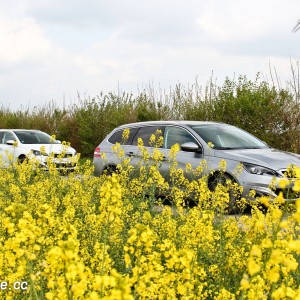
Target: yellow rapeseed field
[[85, 237]]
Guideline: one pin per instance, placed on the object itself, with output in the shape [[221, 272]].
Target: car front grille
[[65, 165], [60, 155], [288, 173]]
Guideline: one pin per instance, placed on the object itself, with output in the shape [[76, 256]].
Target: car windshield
[[225, 137], [34, 137]]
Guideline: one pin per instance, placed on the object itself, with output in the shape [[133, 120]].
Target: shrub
[[267, 111]]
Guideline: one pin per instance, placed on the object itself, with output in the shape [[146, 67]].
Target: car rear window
[[117, 136]]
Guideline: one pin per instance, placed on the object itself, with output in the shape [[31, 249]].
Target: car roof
[[9, 129], [169, 123]]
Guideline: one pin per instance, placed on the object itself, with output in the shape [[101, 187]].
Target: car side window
[[145, 133], [176, 135], [7, 136], [117, 136]]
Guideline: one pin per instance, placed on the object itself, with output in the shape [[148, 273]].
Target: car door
[[179, 135], [144, 133], [7, 152]]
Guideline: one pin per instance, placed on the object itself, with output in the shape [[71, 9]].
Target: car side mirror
[[10, 142], [190, 147]]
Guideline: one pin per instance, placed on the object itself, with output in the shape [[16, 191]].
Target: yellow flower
[[93, 296], [157, 155], [222, 165], [181, 289], [290, 293], [140, 142], [278, 294], [245, 282], [297, 171], [125, 134], [296, 216], [52, 138], [298, 204], [67, 233], [266, 243], [50, 295], [259, 224], [276, 214], [284, 224], [256, 251], [152, 139], [283, 183], [265, 201], [253, 267], [276, 256], [296, 186], [294, 245], [273, 274], [280, 199], [174, 150], [43, 150]]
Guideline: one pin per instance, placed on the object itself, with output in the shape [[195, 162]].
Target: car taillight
[[97, 152]]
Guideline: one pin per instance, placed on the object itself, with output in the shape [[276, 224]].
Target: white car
[[19, 144]]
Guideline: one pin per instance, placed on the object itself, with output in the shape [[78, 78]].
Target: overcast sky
[[51, 50]]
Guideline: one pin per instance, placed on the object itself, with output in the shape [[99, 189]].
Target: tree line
[[264, 109]]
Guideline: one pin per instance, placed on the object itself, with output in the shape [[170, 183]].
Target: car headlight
[[259, 170], [36, 152]]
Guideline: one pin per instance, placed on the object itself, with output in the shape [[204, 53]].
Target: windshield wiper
[[254, 148], [225, 148], [236, 148]]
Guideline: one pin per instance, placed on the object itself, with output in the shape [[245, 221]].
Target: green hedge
[[269, 112]]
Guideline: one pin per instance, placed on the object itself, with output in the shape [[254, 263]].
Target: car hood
[[50, 148], [270, 158]]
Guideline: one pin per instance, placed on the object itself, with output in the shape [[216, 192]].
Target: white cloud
[[51, 48], [235, 20], [22, 40]]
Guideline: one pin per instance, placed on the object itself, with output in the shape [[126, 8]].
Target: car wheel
[[228, 182], [109, 170], [21, 159]]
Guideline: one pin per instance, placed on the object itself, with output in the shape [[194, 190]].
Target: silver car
[[210, 141]]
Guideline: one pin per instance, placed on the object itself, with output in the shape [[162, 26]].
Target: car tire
[[227, 181], [109, 170], [22, 159]]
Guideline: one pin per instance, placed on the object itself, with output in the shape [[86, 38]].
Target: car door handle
[[130, 154]]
